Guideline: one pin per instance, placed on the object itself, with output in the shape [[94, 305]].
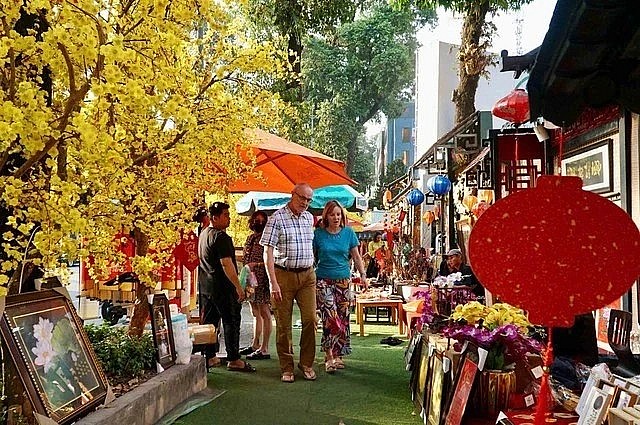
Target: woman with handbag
[[260, 304]]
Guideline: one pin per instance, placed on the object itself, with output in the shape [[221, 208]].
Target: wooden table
[[394, 305]]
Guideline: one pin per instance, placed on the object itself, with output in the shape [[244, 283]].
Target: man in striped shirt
[[288, 258]]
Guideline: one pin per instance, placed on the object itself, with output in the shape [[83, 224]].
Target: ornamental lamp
[[514, 107], [439, 185], [415, 197]]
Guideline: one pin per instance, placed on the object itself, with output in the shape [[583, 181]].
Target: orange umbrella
[[283, 164]]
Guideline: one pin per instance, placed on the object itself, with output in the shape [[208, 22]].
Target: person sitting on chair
[[455, 264]]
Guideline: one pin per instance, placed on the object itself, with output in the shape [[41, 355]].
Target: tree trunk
[[141, 305], [472, 59]]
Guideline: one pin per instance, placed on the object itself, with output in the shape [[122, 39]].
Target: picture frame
[[410, 352], [593, 164], [56, 363], [624, 398], [596, 407], [422, 372], [437, 388], [162, 331], [461, 392]]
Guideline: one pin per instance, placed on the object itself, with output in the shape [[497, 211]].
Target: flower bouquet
[[501, 329]]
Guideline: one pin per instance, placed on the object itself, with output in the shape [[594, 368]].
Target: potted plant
[[506, 334]]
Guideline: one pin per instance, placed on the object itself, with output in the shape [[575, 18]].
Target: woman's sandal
[[287, 377], [339, 363], [307, 372], [330, 366]]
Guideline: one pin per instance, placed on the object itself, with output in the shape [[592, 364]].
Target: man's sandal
[[287, 377], [246, 367], [307, 373]]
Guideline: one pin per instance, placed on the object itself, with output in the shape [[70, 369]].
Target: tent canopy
[[348, 197], [283, 164]]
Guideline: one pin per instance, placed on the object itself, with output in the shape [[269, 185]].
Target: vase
[[492, 392]]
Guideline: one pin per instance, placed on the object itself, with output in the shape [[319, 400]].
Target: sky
[[535, 23]]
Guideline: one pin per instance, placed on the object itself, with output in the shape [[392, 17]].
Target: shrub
[[122, 356]]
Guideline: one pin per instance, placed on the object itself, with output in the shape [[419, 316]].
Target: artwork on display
[[461, 392], [593, 165], [438, 386], [422, 374], [410, 352], [162, 331], [595, 408], [602, 323], [52, 354]]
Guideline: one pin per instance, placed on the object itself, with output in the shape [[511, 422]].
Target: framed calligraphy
[[593, 165]]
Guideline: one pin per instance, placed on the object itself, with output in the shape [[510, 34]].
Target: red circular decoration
[[514, 107], [555, 250]]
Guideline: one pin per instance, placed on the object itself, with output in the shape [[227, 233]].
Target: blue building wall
[[401, 136]]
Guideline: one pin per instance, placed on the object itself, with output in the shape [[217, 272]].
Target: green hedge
[[122, 356]]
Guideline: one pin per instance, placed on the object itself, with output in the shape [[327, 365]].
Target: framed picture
[[596, 407], [624, 398], [461, 392], [52, 354], [421, 377], [438, 386], [593, 165], [162, 331], [410, 352]]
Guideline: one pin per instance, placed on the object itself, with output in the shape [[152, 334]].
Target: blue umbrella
[[348, 197]]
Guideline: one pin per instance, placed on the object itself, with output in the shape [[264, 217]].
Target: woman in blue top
[[334, 246]]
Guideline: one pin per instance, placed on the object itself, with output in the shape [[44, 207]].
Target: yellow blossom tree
[[116, 116]]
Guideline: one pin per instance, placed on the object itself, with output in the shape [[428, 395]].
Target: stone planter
[[147, 403]]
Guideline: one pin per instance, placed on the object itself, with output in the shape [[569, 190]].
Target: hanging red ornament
[[555, 250], [514, 107], [187, 251]]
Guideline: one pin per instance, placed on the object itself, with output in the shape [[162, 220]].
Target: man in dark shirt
[[219, 285], [454, 264]]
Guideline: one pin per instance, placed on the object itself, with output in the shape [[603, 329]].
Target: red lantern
[[555, 250], [479, 208], [514, 107]]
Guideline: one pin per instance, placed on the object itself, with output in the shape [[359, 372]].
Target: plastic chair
[[618, 334]]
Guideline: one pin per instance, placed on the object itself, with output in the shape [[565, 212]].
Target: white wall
[[436, 78]]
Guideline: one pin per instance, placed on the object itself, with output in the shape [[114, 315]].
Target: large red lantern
[[555, 250], [514, 107]]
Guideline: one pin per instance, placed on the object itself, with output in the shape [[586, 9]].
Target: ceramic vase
[[492, 392]]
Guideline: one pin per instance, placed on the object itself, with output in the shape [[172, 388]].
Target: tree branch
[[143, 158]]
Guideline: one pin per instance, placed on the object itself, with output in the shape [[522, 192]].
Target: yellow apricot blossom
[[112, 115]]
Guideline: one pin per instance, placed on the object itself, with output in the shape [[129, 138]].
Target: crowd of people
[[292, 258]]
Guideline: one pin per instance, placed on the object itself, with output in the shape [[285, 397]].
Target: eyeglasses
[[303, 198]]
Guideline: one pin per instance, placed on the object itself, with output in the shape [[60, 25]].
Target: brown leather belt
[[292, 269]]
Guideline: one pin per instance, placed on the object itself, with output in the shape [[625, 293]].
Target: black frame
[[162, 331], [607, 185], [55, 361]]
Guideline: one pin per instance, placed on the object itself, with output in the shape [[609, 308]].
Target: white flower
[[44, 355], [43, 330], [453, 278]]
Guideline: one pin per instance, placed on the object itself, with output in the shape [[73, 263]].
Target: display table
[[394, 305]]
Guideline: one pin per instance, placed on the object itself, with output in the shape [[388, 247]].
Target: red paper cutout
[[555, 250]]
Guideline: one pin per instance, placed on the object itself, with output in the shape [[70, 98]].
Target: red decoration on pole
[[514, 107], [555, 250], [187, 251]]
